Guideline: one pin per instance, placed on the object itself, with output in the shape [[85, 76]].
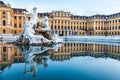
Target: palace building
[[61, 22], [65, 23], [11, 19]]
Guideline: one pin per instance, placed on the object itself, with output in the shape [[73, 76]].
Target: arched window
[[4, 49], [15, 32], [3, 12], [4, 22], [4, 31], [55, 27]]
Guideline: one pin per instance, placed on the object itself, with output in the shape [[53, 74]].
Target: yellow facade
[[63, 23], [9, 54], [70, 50], [5, 20], [11, 19], [18, 21]]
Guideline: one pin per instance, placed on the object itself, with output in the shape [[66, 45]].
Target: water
[[71, 61]]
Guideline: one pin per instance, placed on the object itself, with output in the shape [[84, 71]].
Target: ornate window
[[4, 31], [4, 49], [4, 23], [15, 25], [3, 12], [20, 25], [15, 17]]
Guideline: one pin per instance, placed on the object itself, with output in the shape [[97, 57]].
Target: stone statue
[[30, 30]]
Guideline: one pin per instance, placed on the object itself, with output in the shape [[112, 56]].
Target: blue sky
[[79, 7]]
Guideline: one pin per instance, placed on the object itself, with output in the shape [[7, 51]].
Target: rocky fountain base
[[37, 32]]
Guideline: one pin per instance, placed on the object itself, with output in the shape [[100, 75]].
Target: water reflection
[[35, 56]]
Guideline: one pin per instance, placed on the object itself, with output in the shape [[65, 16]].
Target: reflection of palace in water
[[10, 54], [95, 50]]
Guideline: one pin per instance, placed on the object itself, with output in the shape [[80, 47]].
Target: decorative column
[[9, 19], [9, 53], [22, 22], [94, 24]]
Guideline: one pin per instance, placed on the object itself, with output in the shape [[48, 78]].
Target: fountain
[[35, 56], [37, 32]]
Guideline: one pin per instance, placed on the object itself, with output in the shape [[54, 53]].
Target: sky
[[76, 7]]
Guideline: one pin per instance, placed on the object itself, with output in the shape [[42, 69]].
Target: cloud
[[81, 7]]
